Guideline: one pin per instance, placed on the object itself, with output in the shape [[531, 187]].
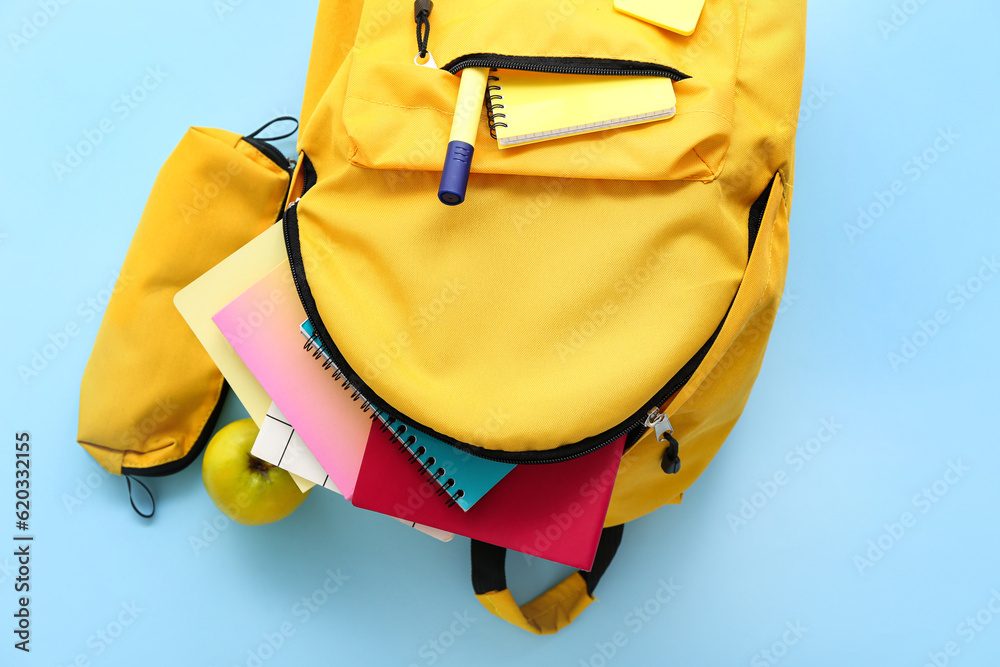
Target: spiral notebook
[[527, 107], [458, 478], [554, 511]]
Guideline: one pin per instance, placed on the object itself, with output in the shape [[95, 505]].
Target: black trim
[[308, 174], [566, 452], [362, 390], [489, 563], [274, 155], [199, 444], [255, 134], [565, 65], [757, 210], [152, 500], [270, 152]]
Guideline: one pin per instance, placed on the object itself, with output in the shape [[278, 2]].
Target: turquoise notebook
[[455, 476]]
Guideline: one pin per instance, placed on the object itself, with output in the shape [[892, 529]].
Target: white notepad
[[279, 444]]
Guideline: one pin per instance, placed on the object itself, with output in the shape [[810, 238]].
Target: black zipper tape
[[270, 152], [380, 407], [565, 65]]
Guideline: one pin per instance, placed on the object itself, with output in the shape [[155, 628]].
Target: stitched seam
[[767, 281], [739, 52], [770, 264], [200, 431], [694, 150], [496, 609], [398, 106], [450, 113], [554, 605], [714, 113]]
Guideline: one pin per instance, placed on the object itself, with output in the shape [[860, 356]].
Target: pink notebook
[[262, 325], [555, 511]]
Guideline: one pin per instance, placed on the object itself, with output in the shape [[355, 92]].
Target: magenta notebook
[[555, 511], [262, 325]]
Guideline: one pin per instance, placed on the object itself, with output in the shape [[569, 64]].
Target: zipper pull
[[671, 461], [660, 424], [421, 15]]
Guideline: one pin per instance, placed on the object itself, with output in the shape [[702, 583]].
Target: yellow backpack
[[612, 284], [595, 286]]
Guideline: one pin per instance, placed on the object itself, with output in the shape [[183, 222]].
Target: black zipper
[[271, 153], [199, 444], [381, 408], [565, 65]]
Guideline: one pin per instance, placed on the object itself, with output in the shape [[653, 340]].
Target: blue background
[[873, 101]]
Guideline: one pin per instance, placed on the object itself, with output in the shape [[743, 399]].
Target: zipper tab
[[671, 461], [421, 16], [660, 424]]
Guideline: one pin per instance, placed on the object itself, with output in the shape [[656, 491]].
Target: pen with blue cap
[[462, 142]]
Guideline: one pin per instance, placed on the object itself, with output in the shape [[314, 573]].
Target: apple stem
[[258, 464]]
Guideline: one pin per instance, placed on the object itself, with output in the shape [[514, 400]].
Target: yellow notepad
[[536, 106], [203, 298], [680, 16]]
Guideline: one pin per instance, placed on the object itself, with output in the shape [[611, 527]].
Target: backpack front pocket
[[398, 115]]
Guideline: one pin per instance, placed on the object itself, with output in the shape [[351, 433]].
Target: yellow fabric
[[548, 613], [543, 310], [149, 387], [581, 273], [705, 411]]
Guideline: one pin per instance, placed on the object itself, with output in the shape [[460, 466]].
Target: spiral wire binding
[[396, 433], [492, 97]]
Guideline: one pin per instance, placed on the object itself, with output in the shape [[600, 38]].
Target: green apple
[[246, 489]]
